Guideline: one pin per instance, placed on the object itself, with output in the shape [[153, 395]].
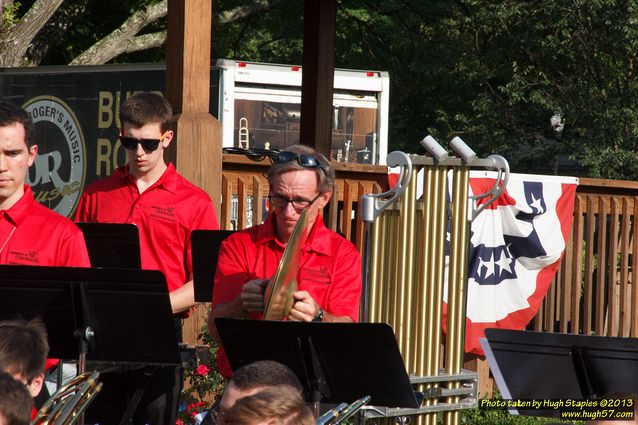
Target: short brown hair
[[325, 173], [144, 108], [15, 401], [282, 405], [10, 114], [23, 347]]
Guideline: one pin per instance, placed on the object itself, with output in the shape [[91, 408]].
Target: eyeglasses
[[149, 145], [298, 204], [305, 160]]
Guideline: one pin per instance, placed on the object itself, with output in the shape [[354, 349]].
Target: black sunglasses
[[305, 160], [149, 145]]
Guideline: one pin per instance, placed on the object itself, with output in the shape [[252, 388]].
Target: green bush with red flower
[[202, 384]]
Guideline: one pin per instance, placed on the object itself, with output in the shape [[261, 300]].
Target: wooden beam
[[197, 153], [320, 18]]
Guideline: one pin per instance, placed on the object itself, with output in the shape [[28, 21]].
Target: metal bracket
[[372, 205]]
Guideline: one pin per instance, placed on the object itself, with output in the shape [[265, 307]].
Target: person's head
[[300, 178], [17, 152], [271, 406], [254, 377], [23, 351], [146, 132], [15, 401]]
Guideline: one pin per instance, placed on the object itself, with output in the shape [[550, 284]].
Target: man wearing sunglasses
[[166, 207], [329, 278]]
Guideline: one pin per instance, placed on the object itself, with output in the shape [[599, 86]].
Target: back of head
[[23, 347], [325, 173], [10, 114], [15, 401], [144, 108], [265, 373], [274, 406]]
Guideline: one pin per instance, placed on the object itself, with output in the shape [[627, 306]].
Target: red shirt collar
[[20, 210], [167, 181], [318, 239]]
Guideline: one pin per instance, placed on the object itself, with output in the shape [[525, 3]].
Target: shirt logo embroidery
[[163, 213], [30, 257], [319, 274]]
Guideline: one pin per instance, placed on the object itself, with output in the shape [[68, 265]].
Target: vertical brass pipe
[[374, 280], [457, 284], [405, 271], [421, 296]]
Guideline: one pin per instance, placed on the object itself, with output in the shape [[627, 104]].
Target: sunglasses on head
[[149, 145], [305, 160]]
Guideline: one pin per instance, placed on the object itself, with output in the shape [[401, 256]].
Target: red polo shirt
[[31, 234], [165, 215], [330, 269]]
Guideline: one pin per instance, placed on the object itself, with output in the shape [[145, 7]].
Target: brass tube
[[373, 277], [457, 284], [405, 271], [421, 296]]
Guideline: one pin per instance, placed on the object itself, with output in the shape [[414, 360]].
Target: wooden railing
[[594, 291]]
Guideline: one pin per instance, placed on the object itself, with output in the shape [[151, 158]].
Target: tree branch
[[241, 12], [124, 37], [17, 39]]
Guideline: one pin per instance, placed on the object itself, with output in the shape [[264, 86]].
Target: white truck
[[263, 102]]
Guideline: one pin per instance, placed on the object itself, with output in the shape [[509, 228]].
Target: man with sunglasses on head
[[329, 278], [166, 207]]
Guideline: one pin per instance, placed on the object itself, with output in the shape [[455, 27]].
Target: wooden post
[[317, 82], [197, 153]]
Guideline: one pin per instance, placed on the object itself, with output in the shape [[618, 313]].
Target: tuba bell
[[68, 403]]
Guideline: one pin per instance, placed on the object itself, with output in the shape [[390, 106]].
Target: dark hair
[[10, 114], [15, 401], [265, 373], [23, 347], [325, 173], [144, 108], [283, 405]]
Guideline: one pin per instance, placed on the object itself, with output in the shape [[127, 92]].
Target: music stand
[[341, 361], [112, 245], [205, 246], [540, 365], [121, 315]]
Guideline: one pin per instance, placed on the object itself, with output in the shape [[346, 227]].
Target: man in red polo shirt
[[329, 279], [30, 234], [166, 208]]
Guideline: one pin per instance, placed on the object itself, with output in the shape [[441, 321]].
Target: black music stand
[[205, 246], [540, 365], [107, 315], [112, 245], [340, 361]]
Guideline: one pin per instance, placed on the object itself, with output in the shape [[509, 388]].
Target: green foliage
[[9, 14], [203, 383]]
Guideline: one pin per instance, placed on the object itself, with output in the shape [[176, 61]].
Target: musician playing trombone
[[329, 277]]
